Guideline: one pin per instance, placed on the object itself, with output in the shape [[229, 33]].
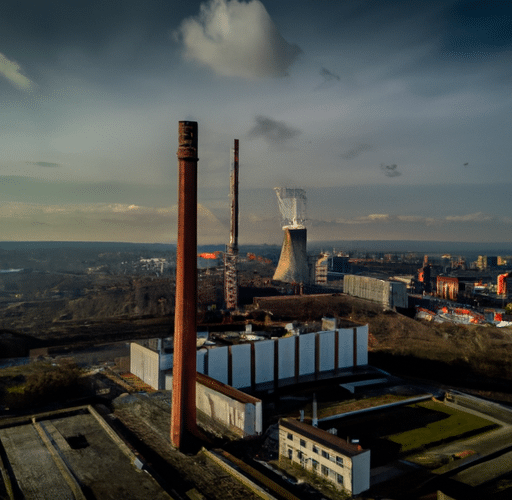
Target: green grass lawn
[[456, 424], [330, 409]]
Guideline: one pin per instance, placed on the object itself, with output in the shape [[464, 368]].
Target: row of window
[[314, 463], [325, 454]]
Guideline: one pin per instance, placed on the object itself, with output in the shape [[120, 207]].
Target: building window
[[339, 479], [325, 454], [290, 436], [290, 453], [299, 454], [315, 449], [325, 470], [339, 461], [314, 463], [303, 443]]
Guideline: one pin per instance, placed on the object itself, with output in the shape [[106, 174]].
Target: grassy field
[[38, 383], [455, 425], [398, 431], [336, 408]]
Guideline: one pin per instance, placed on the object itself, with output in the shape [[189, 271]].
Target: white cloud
[[417, 219], [476, 217], [237, 39], [11, 70], [102, 222], [378, 216]]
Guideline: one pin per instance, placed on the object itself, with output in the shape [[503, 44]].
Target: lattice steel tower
[[231, 254]]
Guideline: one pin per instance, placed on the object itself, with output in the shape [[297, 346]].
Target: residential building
[[344, 464]]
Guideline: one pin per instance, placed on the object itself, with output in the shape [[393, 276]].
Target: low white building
[[262, 365], [389, 294], [344, 464]]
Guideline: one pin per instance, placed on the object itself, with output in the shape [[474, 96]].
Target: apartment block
[[344, 464]]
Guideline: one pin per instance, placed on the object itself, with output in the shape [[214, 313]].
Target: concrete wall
[[218, 364], [242, 414], [345, 347], [264, 362], [286, 353], [362, 345], [241, 359], [361, 472], [166, 361], [145, 364], [307, 354], [327, 357]]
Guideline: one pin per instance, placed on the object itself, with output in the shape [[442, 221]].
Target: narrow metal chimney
[[183, 415], [231, 254]]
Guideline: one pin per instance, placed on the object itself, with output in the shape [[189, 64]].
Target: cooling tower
[[293, 263]]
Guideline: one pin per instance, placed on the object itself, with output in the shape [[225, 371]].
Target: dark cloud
[[329, 79], [329, 75], [356, 151], [43, 164], [390, 170], [272, 130], [478, 27]]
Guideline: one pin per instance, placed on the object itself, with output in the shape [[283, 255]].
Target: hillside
[[91, 309], [476, 357]]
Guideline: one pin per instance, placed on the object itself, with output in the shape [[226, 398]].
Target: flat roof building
[[344, 464]]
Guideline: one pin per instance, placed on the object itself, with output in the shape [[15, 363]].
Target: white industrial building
[[261, 365], [344, 464], [390, 294], [223, 373]]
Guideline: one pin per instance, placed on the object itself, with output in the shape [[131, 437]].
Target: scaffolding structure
[[292, 205]]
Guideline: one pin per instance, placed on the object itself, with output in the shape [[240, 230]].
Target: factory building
[[504, 285], [330, 267], [487, 262], [261, 365], [344, 464], [447, 287], [390, 294]]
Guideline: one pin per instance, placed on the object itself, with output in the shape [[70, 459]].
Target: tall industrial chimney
[[293, 262], [183, 416], [231, 254]]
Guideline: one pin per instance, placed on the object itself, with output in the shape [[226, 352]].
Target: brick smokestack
[[183, 416]]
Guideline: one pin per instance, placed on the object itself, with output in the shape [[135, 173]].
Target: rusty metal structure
[[293, 262], [231, 254], [183, 415]]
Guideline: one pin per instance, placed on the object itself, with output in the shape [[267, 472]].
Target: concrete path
[[35, 470]]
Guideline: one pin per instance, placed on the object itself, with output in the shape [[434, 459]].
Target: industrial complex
[[255, 406]]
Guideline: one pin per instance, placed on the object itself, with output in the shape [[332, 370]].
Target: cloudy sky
[[394, 116]]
